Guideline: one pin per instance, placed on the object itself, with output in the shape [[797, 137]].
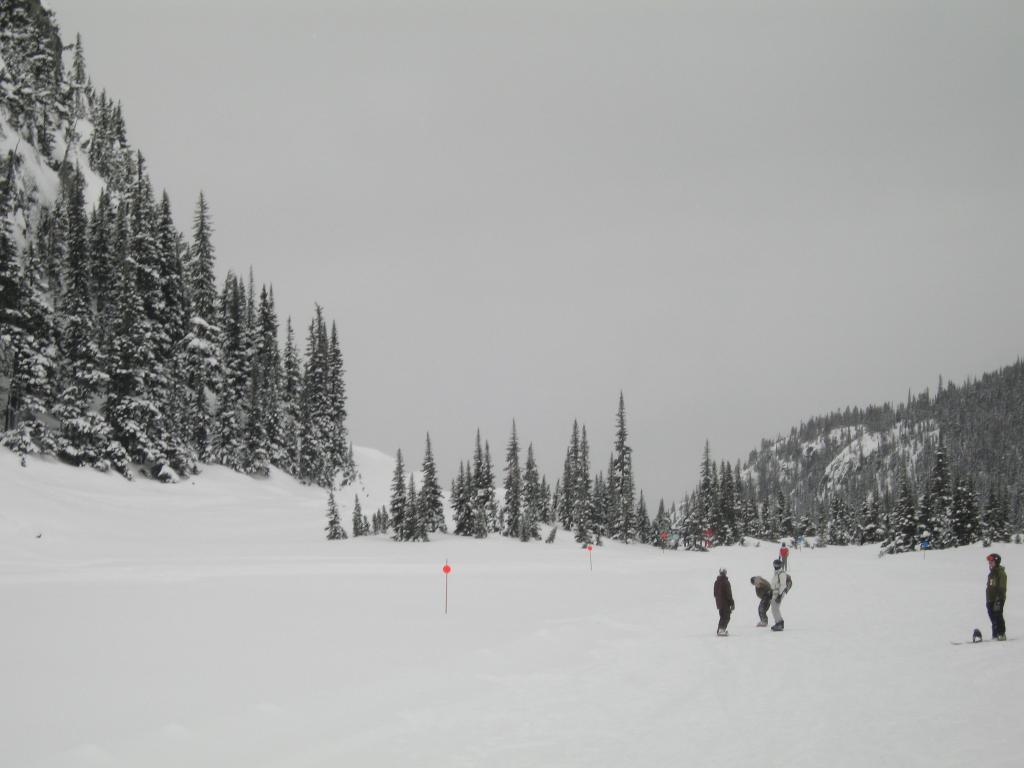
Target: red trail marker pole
[[590, 555], [446, 570]]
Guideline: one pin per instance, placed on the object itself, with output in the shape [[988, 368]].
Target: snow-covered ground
[[210, 624]]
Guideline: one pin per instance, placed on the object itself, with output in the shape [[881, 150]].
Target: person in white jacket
[[780, 586]]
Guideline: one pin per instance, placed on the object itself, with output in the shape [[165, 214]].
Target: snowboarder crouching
[[995, 595], [763, 589], [724, 601], [781, 584]]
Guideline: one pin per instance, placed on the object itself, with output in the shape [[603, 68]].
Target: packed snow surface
[[209, 623]]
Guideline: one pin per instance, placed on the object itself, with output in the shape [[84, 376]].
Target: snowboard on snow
[[977, 638]]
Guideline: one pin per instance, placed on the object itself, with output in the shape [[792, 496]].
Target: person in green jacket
[[995, 595]]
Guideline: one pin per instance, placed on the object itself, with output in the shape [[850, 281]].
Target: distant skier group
[[769, 593]]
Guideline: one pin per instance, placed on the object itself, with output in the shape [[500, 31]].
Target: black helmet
[[777, 564], [721, 571], [994, 558]]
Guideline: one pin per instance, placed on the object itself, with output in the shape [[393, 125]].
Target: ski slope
[[210, 623]]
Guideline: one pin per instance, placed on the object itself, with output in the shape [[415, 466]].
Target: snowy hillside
[[846, 450], [832, 469], [209, 623], [216, 509]]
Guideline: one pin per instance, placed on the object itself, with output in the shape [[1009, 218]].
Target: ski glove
[[997, 605]]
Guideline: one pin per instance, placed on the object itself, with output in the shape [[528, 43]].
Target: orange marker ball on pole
[[446, 570]]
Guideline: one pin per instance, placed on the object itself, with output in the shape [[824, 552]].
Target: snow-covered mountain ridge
[[861, 453]]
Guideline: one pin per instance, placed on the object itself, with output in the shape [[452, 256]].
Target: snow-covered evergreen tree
[[575, 508], [360, 527], [323, 444], [339, 456], [512, 511], [203, 279], [601, 499], [130, 408], [565, 491], [174, 316], [584, 513], [202, 371], [81, 94], [903, 525], [291, 395], [10, 279], [995, 525], [233, 391], [621, 486], [547, 501], [963, 526], [431, 499], [85, 437], [399, 511], [462, 503], [868, 523], [533, 499], [411, 518], [267, 371], [701, 516], [784, 515], [315, 410], [145, 256], [33, 363], [381, 521], [727, 504], [415, 519], [836, 531], [644, 532], [934, 510], [485, 513], [103, 261], [333, 528]]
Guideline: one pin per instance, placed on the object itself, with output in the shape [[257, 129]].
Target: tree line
[[902, 493], [592, 507]]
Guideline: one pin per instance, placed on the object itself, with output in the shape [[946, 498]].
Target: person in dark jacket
[[763, 589], [723, 599], [995, 595]]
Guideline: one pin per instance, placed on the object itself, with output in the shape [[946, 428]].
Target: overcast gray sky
[[741, 214]]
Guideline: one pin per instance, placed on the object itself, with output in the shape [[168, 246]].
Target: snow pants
[[996, 617], [724, 614], [777, 610], [762, 608]]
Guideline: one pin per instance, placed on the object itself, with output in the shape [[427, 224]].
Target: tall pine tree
[[430, 498]]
